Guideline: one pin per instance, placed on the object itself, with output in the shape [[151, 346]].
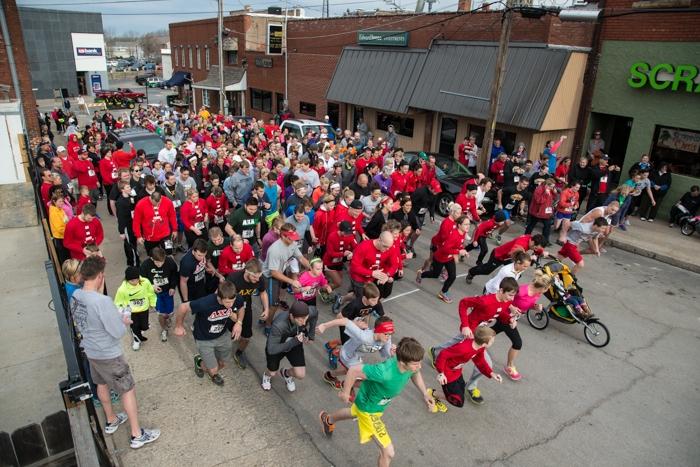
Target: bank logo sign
[[88, 51], [684, 78], [385, 38]]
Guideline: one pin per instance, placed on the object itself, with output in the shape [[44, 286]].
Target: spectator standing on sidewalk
[[101, 327], [660, 184]]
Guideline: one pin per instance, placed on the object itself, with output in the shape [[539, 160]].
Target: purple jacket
[[384, 183]]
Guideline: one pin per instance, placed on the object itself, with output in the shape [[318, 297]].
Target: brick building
[[319, 51], [645, 88]]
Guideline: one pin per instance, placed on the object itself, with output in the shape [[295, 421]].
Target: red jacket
[[399, 182], [505, 251], [450, 361], [216, 207], [86, 173], [230, 261], [412, 182], [108, 170], [123, 158], [496, 171], [367, 258], [340, 210], [468, 206], [191, 213], [448, 224], [79, 234], [568, 201], [336, 246], [361, 164], [450, 246], [484, 229], [355, 221], [324, 224], [429, 174], [485, 310], [152, 227], [68, 166], [541, 203], [82, 201], [45, 187]]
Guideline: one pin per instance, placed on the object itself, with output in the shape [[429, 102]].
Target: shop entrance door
[[82, 83], [357, 114], [333, 112], [448, 136], [615, 130]]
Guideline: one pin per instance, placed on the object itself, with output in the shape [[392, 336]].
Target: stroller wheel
[[537, 319], [596, 333]]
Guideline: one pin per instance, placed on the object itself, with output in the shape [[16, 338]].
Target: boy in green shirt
[[381, 383], [136, 297]]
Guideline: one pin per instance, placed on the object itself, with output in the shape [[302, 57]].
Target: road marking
[[461, 275], [400, 295]]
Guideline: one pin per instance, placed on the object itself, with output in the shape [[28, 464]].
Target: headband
[[386, 327]]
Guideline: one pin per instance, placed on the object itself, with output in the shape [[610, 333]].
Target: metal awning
[[454, 69], [234, 79], [378, 78], [179, 78]]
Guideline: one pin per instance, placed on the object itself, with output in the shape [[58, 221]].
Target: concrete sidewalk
[[656, 240]]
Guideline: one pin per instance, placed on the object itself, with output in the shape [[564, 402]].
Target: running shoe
[[623, 227], [241, 360], [650, 220], [642, 218], [512, 373], [499, 239], [289, 380], [445, 297], [325, 296], [433, 356], [627, 222], [147, 436], [439, 405], [475, 396], [327, 426], [198, 366], [112, 427], [334, 382], [217, 379], [164, 335], [469, 279], [337, 303], [266, 382], [419, 276], [136, 344]]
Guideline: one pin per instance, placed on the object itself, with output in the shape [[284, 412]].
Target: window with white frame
[[175, 56], [207, 58], [199, 58], [182, 54], [189, 52], [205, 97]]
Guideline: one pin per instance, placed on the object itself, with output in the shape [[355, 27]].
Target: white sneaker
[[627, 222], [163, 335], [147, 436], [266, 382], [650, 220], [112, 427], [291, 385], [136, 344]]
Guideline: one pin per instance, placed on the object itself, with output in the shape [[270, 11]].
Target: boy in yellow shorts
[[381, 383]]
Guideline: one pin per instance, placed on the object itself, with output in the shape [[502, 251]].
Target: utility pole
[[222, 93], [496, 86], [286, 56]]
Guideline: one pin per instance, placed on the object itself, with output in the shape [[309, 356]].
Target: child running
[[362, 340], [161, 271], [312, 281], [451, 360], [381, 383], [521, 261], [136, 293]]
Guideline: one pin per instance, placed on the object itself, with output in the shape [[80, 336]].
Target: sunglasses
[[136, 170]]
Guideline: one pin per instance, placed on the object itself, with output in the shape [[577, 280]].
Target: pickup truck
[[123, 93]]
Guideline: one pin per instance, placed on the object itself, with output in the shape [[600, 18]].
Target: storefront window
[[205, 97], [207, 57], [280, 103], [507, 138], [261, 100], [231, 57], [679, 147], [402, 125], [307, 108]]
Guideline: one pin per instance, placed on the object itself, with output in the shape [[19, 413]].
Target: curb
[[679, 263]]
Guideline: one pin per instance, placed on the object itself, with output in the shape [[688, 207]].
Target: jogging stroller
[[565, 305]]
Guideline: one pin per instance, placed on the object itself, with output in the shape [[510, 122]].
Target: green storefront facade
[[647, 101]]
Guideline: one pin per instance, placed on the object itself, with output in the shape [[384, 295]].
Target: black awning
[[179, 78]]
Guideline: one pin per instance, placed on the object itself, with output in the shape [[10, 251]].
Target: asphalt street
[[634, 402]]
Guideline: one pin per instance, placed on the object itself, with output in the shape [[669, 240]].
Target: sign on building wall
[[385, 38], [662, 76], [275, 37], [230, 44], [96, 82], [89, 52], [263, 62], [687, 141]]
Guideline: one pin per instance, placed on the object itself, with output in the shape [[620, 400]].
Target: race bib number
[[218, 219], [384, 401], [91, 173], [114, 174], [488, 323], [216, 328], [548, 210], [337, 260], [199, 225], [137, 302], [160, 281], [604, 179], [309, 293], [516, 178], [510, 206], [177, 203], [199, 276], [248, 233], [168, 244], [132, 193]]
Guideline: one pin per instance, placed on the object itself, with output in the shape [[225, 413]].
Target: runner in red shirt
[[448, 224], [217, 208], [467, 201], [446, 256], [482, 231], [373, 261], [324, 221], [400, 179], [155, 223], [87, 176], [83, 230], [503, 254], [234, 257], [353, 215], [110, 174], [121, 157], [194, 216], [340, 245], [451, 360]]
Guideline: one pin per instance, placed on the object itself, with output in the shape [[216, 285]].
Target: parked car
[[452, 175], [154, 82], [149, 67], [299, 127], [151, 143], [141, 79]]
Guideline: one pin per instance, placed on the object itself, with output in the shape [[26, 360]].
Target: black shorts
[[356, 287], [294, 356], [454, 391], [247, 330], [336, 267]]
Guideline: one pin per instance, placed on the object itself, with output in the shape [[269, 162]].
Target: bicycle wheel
[[596, 334], [537, 319]]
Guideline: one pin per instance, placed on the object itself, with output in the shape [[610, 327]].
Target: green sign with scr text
[[665, 76], [386, 38]]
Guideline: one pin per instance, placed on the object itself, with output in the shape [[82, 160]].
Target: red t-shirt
[[230, 261], [454, 241], [79, 234], [85, 172], [468, 206], [451, 360], [485, 310], [217, 207], [484, 229], [193, 213], [108, 170], [367, 258], [448, 224], [336, 246], [503, 252]]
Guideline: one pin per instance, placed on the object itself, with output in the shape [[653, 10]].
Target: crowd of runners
[[238, 224]]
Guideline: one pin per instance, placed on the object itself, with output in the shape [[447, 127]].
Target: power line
[[91, 3]]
